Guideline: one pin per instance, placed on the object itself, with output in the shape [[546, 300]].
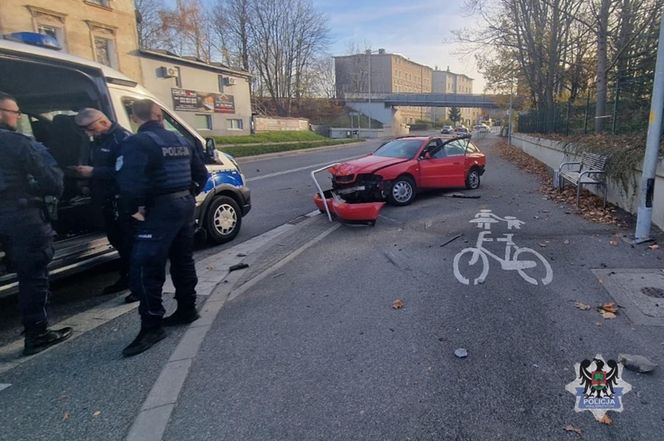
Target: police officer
[[158, 173], [105, 149], [27, 174]]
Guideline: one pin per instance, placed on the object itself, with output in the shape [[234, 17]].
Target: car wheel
[[473, 179], [402, 191], [222, 220]]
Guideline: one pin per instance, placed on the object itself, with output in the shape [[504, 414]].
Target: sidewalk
[[304, 343]]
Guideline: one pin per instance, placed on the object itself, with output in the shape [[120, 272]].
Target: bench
[[589, 171]]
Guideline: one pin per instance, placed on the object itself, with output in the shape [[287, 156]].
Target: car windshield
[[399, 148]]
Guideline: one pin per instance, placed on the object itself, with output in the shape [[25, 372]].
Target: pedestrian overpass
[[383, 107]]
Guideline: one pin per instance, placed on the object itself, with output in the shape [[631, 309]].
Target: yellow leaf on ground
[[97, 413], [570, 428], [397, 304], [654, 247], [582, 306], [614, 243], [66, 416], [610, 307], [608, 315], [606, 420]]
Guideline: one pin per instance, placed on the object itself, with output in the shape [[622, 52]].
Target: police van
[[50, 87]]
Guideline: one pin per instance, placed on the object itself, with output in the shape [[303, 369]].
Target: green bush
[[267, 137]]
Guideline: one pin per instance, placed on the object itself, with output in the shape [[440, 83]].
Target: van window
[[170, 123]]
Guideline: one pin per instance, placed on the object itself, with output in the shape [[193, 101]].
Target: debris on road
[[461, 353], [636, 363], [570, 428], [241, 255], [582, 306], [654, 247], [238, 266], [97, 413], [463, 196], [398, 304], [449, 241], [609, 307]]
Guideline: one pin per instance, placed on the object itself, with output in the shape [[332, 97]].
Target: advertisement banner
[[193, 101]]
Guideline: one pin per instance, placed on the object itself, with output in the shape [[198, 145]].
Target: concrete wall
[[552, 154], [264, 124]]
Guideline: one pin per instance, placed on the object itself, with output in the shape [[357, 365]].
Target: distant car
[[461, 130], [446, 130], [397, 170], [481, 128]]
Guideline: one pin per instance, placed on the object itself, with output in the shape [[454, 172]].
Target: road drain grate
[[650, 291]]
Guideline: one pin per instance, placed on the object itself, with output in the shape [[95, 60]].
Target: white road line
[[150, 424], [4, 386], [308, 167]]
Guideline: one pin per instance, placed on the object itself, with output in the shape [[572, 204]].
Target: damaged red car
[[401, 168]]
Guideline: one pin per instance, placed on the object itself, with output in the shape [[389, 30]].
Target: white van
[[50, 87]]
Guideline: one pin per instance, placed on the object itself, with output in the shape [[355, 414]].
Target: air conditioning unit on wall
[[168, 72], [230, 81]]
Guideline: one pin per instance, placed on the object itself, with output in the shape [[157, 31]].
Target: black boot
[[37, 342], [181, 316], [131, 298], [120, 285], [145, 339]]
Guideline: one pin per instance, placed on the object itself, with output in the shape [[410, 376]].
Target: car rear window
[[399, 148]]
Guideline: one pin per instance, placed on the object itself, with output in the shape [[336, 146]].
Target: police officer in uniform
[[105, 149], [158, 173], [28, 173]]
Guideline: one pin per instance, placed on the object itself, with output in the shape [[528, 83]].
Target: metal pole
[[615, 104], [647, 190], [585, 116], [369, 109], [509, 124]]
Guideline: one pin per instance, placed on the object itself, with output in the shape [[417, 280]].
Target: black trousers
[[166, 234], [120, 233], [27, 239]]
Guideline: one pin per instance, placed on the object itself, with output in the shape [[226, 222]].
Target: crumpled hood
[[367, 164]]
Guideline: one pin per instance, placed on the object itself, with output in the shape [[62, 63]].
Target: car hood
[[367, 164]]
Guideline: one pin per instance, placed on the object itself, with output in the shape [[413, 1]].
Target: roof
[[61, 57], [192, 61]]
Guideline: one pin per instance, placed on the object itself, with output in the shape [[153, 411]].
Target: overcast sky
[[418, 29]]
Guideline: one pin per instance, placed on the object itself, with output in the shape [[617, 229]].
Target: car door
[[455, 155], [436, 168]]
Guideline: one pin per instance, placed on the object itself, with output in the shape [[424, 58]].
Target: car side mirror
[[210, 147], [425, 155]]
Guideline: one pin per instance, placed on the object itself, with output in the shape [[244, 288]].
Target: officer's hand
[[140, 214], [84, 171]]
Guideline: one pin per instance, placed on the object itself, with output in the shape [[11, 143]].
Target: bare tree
[[148, 23]]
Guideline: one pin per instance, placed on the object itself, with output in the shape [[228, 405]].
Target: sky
[[420, 30]]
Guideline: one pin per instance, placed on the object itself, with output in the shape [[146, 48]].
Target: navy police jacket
[[154, 162], [104, 154], [27, 169]]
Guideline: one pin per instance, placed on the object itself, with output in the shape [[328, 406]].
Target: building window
[[105, 51], [49, 23], [104, 3], [234, 124], [220, 80], [56, 32], [202, 121]]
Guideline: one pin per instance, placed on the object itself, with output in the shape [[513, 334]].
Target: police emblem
[[599, 386]]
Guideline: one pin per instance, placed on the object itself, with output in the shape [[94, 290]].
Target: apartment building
[[445, 81], [381, 73], [100, 30]]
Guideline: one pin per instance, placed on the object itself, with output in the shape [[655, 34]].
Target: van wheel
[[222, 220]]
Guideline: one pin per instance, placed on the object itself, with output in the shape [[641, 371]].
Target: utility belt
[[174, 195]]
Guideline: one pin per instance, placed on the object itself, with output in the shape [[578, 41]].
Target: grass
[[250, 150], [267, 137]]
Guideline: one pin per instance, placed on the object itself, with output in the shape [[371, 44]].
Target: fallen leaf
[[654, 247], [397, 304], [570, 428], [606, 420], [566, 242], [608, 315], [97, 413], [66, 416], [582, 306], [610, 307], [614, 243]]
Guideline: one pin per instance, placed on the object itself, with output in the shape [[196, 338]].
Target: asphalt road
[[314, 350]]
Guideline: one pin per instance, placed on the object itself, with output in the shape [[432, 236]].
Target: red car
[[400, 168]]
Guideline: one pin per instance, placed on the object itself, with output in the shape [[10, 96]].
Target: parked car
[[397, 170], [51, 87], [446, 130], [481, 128], [461, 130]]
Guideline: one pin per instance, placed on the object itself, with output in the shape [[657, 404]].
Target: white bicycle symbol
[[516, 258]]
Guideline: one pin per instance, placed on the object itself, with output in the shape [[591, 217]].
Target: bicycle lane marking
[[511, 262]]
